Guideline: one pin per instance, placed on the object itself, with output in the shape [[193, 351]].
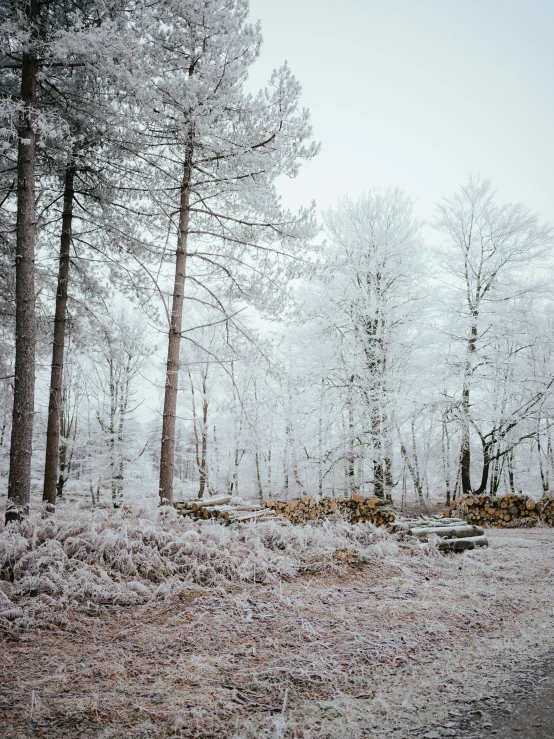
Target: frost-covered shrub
[[115, 557]]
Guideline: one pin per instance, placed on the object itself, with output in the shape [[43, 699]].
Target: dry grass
[[115, 558], [348, 632]]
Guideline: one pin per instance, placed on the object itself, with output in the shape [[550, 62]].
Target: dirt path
[[533, 717], [382, 650]]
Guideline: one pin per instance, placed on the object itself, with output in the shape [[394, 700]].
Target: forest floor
[[382, 649]]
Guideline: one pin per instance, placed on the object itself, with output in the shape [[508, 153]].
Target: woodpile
[[356, 509], [508, 511], [455, 534], [218, 507]]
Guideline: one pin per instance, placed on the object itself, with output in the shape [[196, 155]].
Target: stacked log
[[508, 511], [405, 524], [356, 509], [546, 510], [455, 534], [219, 508], [454, 537]]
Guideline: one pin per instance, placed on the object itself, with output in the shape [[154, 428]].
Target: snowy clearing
[[287, 632]]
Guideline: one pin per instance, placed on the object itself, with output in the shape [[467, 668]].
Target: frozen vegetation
[[133, 626], [96, 558], [170, 328]]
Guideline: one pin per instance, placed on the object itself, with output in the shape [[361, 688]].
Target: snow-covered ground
[[127, 626]]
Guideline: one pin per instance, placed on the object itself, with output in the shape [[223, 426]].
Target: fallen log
[[448, 532], [460, 545], [264, 514], [196, 505]]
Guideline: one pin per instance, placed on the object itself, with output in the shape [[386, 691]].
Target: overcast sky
[[419, 94]]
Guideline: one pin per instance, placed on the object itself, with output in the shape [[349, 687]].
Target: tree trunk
[[259, 475], [68, 431], [486, 467], [19, 480], [62, 456], [445, 439], [167, 454], [510, 470], [497, 466], [123, 407], [203, 459], [350, 469], [413, 472], [465, 451], [114, 397], [543, 466], [56, 375], [269, 470], [320, 442]]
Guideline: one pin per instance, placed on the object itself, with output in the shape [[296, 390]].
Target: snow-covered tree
[[214, 155], [371, 288], [490, 251]]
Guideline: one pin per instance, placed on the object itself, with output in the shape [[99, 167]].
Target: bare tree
[[485, 244], [372, 277]]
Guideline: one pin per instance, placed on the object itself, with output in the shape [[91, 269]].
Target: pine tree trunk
[[19, 481], [167, 455], [56, 375]]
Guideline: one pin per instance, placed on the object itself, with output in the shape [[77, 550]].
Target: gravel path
[[431, 647]]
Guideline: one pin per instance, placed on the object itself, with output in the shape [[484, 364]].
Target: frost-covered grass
[[105, 557], [353, 632]]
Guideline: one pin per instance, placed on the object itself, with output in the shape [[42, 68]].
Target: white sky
[[419, 94]]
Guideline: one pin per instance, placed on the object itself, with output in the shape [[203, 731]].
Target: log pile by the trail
[[219, 507], [356, 509], [455, 534], [509, 511]]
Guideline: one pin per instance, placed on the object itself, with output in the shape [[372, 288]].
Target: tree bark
[[413, 471], [56, 375], [445, 439], [486, 468], [167, 454], [19, 480], [465, 451], [203, 469], [351, 472]]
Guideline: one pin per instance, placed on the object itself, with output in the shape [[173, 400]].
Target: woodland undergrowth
[[89, 559]]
